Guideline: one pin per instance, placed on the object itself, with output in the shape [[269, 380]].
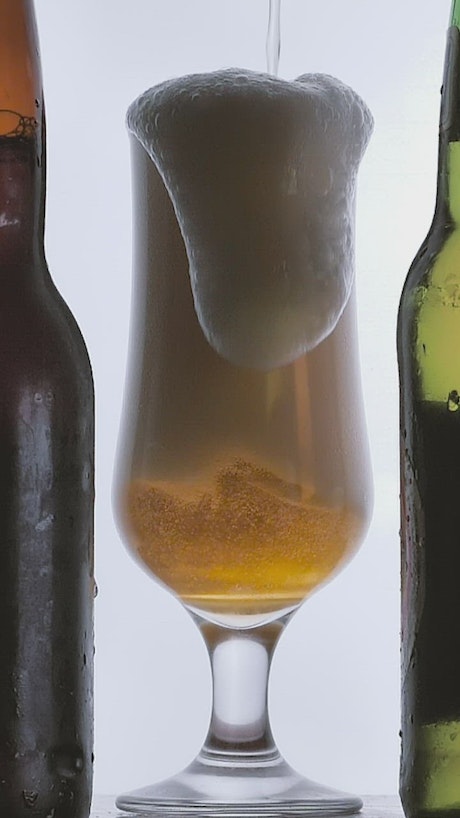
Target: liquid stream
[[274, 37]]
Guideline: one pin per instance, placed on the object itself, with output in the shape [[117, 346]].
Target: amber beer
[[46, 475], [240, 541], [241, 490]]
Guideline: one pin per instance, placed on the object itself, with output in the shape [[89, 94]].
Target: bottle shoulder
[[41, 340], [437, 261], [429, 326]]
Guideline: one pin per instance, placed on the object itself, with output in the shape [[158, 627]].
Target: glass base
[[270, 789]]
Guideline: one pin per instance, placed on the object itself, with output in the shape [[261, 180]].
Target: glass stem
[[240, 662]]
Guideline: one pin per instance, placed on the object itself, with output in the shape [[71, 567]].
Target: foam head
[[261, 173]]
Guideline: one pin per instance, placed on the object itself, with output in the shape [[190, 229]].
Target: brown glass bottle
[[46, 475]]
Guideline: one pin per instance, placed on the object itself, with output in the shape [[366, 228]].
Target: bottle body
[[46, 581], [430, 526], [429, 369], [46, 479]]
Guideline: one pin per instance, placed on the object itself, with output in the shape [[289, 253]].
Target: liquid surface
[[242, 541]]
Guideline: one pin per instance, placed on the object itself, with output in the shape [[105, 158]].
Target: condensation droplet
[[29, 797], [68, 761]]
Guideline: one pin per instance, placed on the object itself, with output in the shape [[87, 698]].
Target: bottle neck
[[455, 13], [448, 196], [22, 158], [21, 203]]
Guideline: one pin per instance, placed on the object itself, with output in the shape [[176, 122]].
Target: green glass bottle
[[429, 369]]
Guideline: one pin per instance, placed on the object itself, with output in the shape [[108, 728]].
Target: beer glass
[[242, 490]]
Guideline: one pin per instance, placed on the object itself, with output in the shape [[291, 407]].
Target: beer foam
[[261, 173]]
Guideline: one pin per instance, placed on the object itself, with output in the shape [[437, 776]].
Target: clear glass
[[242, 491]]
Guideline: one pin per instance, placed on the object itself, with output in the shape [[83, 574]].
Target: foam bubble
[[261, 173]]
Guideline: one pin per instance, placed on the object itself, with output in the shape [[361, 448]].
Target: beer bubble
[[86, 477]]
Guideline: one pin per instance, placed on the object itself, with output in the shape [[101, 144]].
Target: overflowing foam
[[261, 173]]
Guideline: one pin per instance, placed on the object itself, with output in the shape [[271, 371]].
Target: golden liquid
[[242, 540]]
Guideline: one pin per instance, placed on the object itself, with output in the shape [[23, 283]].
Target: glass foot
[[270, 789]]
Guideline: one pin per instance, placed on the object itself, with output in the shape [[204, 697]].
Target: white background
[[335, 682]]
